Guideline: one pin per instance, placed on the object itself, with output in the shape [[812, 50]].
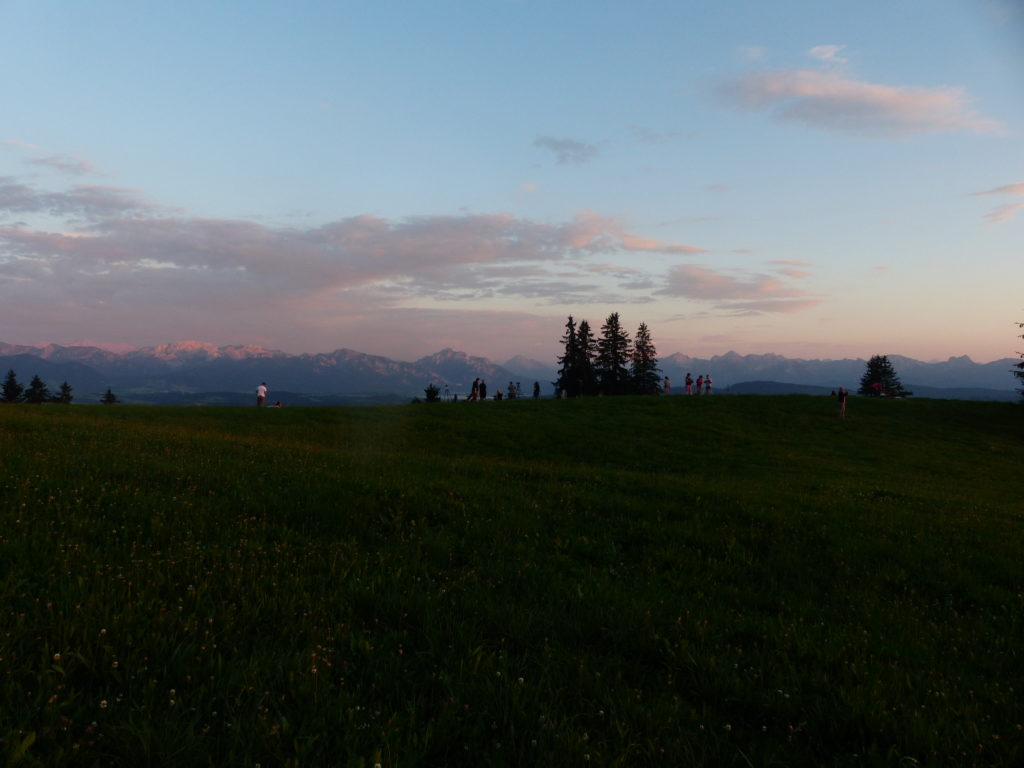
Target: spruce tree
[[12, 391], [36, 392], [109, 398], [567, 361], [586, 346], [613, 353], [64, 396], [644, 372], [880, 379]]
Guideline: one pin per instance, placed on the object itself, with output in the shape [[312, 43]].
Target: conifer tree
[[36, 392], [12, 391], [567, 361], [880, 379], [586, 353], [644, 372], [109, 398], [64, 395], [613, 353]]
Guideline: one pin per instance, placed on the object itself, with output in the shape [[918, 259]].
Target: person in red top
[[700, 384]]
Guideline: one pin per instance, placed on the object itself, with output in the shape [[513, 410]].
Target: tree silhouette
[[64, 396], [613, 354], [576, 363], [644, 371], [880, 379], [36, 392], [12, 391], [587, 346], [433, 393], [109, 398]]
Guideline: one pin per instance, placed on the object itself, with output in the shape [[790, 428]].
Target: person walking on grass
[[707, 384], [689, 384], [842, 402], [700, 385], [261, 394]]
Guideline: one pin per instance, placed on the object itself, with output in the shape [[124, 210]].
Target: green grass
[[713, 581]]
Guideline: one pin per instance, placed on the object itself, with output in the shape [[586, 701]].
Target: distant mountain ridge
[[178, 369]]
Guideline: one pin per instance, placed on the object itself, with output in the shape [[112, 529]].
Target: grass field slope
[[712, 581]]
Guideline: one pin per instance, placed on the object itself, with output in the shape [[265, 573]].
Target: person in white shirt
[[261, 394]]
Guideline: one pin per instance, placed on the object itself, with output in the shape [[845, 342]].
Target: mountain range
[[193, 371]]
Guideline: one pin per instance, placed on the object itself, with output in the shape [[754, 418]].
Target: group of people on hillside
[[478, 391], [701, 386]]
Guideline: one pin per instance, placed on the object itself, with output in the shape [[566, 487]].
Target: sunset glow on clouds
[[828, 190]]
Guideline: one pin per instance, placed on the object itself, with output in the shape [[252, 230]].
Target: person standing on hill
[[842, 402], [689, 384], [536, 390], [668, 386], [261, 394], [483, 389], [700, 385], [707, 384]]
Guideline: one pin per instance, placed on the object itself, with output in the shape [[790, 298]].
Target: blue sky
[[814, 179]]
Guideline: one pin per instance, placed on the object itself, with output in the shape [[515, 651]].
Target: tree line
[[12, 391], [609, 364]]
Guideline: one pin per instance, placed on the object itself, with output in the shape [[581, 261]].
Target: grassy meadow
[[712, 581]]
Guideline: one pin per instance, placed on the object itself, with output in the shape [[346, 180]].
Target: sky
[[814, 179]]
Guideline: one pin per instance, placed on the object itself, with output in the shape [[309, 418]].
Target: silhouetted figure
[[261, 394], [536, 390]]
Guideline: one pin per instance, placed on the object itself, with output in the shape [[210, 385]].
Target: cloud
[[778, 306], [791, 268], [88, 201], [827, 53], [71, 165], [829, 101], [117, 240], [747, 293], [1011, 190], [1005, 212], [567, 151], [121, 268]]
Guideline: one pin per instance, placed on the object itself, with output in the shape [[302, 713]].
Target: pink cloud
[[796, 274], [1010, 190], [830, 101], [752, 293], [1004, 213]]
